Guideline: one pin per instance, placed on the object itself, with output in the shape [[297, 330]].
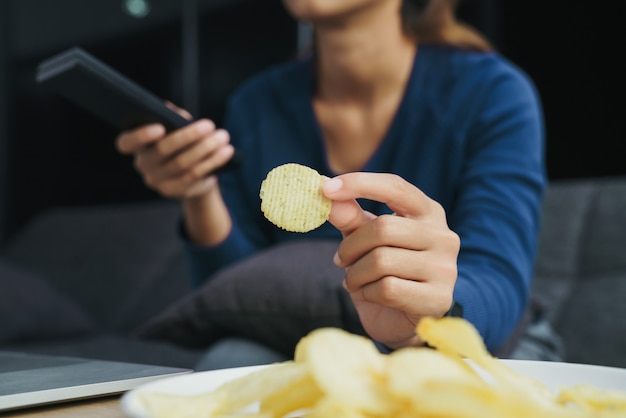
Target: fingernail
[[155, 130], [221, 136], [205, 126], [336, 259], [332, 185]]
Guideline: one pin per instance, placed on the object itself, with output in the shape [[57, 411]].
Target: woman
[[394, 86]]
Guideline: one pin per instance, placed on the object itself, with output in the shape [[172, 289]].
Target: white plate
[[556, 375], [195, 383], [553, 374]]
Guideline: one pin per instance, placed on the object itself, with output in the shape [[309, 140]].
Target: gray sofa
[[581, 267], [108, 269]]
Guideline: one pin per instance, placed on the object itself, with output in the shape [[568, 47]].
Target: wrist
[[206, 219], [412, 341], [455, 310]]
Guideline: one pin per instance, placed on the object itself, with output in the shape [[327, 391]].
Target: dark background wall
[[54, 154], [572, 50]]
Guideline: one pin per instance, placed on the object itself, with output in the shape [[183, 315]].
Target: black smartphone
[[88, 82]]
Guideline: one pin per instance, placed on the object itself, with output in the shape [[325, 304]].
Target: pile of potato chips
[[337, 374]]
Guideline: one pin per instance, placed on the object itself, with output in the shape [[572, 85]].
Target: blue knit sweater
[[468, 132]]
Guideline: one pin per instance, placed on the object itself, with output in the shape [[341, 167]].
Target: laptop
[[28, 380]]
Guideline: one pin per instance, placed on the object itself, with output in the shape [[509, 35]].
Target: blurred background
[[195, 52]]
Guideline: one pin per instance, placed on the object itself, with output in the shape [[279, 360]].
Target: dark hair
[[412, 11], [434, 21]]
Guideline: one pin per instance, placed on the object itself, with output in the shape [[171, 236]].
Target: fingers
[[154, 135], [399, 195], [362, 231], [391, 258], [192, 181], [397, 232], [195, 153], [184, 137], [399, 267], [347, 216], [417, 266], [400, 294], [176, 164], [182, 151], [130, 142]]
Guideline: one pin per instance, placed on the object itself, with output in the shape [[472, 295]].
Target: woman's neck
[[363, 57]]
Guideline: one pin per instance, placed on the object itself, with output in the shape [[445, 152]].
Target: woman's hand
[[177, 165], [400, 267]]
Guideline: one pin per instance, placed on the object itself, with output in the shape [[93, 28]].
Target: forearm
[[207, 221], [211, 237]]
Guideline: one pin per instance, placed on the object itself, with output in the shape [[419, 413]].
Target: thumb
[[345, 215]]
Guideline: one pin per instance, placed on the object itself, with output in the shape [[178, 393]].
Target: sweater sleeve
[[245, 237], [497, 206]]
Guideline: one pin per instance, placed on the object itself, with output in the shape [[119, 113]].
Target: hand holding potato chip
[[400, 267]]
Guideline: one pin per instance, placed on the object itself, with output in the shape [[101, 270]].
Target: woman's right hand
[[178, 164]]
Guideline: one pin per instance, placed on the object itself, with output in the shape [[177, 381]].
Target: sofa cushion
[[581, 267], [604, 242], [31, 309], [592, 323], [274, 297], [565, 210], [122, 263]]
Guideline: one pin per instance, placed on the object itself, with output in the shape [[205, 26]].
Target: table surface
[[107, 407]]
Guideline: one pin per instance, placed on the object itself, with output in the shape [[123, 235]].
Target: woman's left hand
[[400, 267]]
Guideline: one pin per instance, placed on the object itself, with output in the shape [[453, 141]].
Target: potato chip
[[292, 198], [410, 368], [331, 407], [338, 374], [299, 395], [457, 337], [347, 367], [260, 385], [594, 399]]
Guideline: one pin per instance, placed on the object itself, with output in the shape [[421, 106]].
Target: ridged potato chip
[[292, 198]]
